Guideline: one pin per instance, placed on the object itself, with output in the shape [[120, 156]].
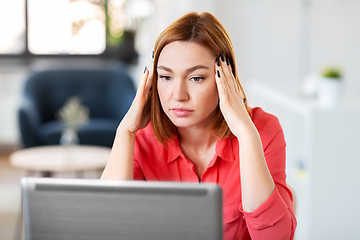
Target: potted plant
[[73, 115], [330, 87]]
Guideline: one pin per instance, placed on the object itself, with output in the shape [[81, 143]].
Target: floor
[[10, 196]]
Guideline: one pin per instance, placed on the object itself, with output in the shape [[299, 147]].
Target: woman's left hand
[[256, 181], [231, 99]]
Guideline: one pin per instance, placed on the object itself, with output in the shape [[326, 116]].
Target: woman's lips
[[181, 112]]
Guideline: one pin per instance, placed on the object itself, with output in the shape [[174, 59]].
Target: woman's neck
[[196, 141], [198, 146], [198, 138]]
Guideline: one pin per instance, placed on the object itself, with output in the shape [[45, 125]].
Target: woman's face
[[186, 84]]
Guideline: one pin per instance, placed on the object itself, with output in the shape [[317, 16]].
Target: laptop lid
[[75, 209]]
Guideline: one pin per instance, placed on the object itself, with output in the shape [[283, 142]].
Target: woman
[[201, 129]]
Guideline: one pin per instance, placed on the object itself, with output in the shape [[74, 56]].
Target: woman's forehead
[[185, 53]]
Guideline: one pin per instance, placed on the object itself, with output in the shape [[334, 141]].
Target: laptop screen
[[56, 208]]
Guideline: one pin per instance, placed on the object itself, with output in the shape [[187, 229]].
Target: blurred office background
[[281, 49]]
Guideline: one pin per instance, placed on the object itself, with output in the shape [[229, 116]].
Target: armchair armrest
[[29, 120]]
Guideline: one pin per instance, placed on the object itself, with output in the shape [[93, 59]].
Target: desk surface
[[59, 158]]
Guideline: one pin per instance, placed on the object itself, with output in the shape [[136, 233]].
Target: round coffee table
[[58, 158]]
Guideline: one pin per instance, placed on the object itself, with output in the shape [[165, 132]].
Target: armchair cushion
[[98, 131]]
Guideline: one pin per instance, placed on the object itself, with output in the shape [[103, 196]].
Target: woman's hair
[[206, 30]]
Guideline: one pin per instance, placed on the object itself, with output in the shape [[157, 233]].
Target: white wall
[[281, 41], [335, 39], [11, 82], [266, 37]]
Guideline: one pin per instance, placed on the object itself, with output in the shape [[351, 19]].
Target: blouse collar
[[224, 149]]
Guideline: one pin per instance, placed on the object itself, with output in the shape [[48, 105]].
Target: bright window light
[[12, 26], [66, 26]]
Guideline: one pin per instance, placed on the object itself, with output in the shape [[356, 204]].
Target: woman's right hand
[[138, 115], [121, 162]]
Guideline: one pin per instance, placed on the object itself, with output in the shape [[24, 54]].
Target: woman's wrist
[[125, 132], [247, 132]]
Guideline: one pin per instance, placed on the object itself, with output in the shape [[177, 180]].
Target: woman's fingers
[[145, 116], [231, 99], [148, 79], [138, 114], [145, 93], [143, 85], [229, 76], [228, 79], [220, 83], [144, 89]]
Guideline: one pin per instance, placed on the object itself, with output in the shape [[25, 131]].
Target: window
[[69, 27], [12, 27], [66, 26]]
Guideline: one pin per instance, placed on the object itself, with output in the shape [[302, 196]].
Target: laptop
[[92, 209]]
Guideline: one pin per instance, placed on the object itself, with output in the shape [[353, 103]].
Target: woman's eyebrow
[[164, 68], [192, 69], [189, 70]]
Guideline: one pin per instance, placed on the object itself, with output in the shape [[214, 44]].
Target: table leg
[[79, 174], [46, 174], [30, 173], [19, 225], [100, 172]]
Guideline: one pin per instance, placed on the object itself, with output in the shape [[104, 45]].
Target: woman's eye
[[197, 79], [165, 78]]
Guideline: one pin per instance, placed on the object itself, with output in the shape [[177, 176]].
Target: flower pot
[[69, 137], [329, 92]]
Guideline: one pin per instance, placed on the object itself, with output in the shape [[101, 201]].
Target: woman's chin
[[182, 122], [188, 123]]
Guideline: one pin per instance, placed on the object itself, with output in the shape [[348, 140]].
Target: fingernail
[[222, 57], [145, 69], [227, 61], [218, 62], [218, 73]]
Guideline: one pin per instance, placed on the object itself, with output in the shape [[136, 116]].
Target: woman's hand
[[121, 162], [256, 181], [231, 99], [138, 115]]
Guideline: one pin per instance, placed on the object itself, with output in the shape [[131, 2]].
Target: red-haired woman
[[190, 122]]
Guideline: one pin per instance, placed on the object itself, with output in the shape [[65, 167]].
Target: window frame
[[27, 55]]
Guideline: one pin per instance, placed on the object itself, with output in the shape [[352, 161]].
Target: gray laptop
[[76, 209]]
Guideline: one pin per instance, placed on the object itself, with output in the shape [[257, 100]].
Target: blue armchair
[[108, 93]]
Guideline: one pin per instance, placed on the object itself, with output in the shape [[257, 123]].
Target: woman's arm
[[120, 165], [275, 218], [256, 181], [266, 202]]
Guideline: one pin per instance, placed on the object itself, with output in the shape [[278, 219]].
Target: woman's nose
[[180, 93]]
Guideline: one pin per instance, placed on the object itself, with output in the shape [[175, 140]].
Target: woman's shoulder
[[145, 138], [260, 117], [145, 131], [265, 122], [146, 134], [148, 149], [270, 131]]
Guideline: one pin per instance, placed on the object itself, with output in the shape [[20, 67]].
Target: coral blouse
[[274, 219]]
